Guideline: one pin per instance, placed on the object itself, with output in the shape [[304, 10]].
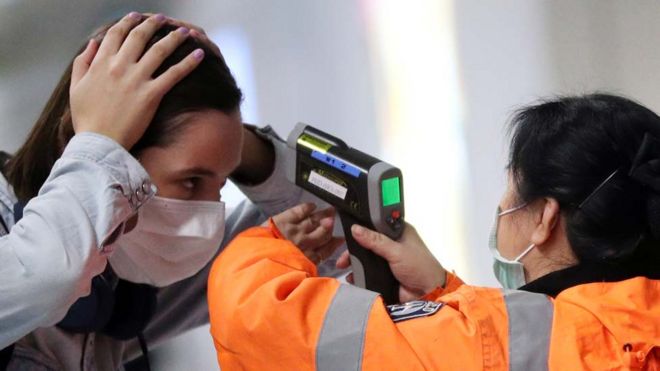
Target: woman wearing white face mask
[[48, 258], [576, 243], [172, 222]]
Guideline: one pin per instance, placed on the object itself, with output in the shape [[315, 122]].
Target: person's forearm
[[256, 280], [257, 159], [52, 253], [261, 176]]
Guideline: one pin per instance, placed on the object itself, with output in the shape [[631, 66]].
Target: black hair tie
[[646, 171]]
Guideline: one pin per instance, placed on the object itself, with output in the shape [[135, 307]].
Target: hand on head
[[195, 31], [112, 90]]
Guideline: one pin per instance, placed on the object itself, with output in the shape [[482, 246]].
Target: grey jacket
[[48, 259], [180, 307]]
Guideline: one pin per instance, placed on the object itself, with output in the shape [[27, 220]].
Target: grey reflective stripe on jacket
[[530, 324], [341, 341]]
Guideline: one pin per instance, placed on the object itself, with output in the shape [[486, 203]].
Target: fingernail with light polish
[[198, 54]]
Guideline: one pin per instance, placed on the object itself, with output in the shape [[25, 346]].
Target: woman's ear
[[548, 221]]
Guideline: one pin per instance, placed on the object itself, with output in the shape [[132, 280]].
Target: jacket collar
[[588, 272]]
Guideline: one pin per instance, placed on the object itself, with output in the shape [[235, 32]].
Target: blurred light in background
[[235, 48], [419, 111]]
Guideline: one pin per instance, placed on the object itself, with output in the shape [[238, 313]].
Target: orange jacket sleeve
[[268, 310], [452, 283]]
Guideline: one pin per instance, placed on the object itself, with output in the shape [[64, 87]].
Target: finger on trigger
[[375, 241]]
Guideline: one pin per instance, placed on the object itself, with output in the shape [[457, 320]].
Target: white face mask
[[173, 240], [510, 273]]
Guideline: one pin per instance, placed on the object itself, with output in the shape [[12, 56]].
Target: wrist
[[439, 280], [442, 277], [275, 229], [119, 139]]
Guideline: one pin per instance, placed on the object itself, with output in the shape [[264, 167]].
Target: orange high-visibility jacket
[[269, 311]]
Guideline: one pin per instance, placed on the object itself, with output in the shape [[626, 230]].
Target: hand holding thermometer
[[363, 189]]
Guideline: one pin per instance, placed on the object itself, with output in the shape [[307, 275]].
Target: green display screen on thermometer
[[391, 190]]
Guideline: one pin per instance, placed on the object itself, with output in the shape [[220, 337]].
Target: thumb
[[379, 243], [82, 62]]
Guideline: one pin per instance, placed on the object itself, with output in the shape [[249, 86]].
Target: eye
[[190, 183]]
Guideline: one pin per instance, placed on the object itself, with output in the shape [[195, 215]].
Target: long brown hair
[[209, 86]]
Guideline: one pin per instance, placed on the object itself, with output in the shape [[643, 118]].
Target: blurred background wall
[[426, 85]]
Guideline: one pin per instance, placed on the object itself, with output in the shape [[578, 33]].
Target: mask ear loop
[[512, 210], [528, 249]]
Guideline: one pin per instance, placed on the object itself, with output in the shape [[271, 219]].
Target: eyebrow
[[195, 171]]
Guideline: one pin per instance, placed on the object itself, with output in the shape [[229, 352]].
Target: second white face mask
[[173, 240]]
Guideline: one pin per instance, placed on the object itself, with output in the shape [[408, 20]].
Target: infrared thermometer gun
[[363, 189]]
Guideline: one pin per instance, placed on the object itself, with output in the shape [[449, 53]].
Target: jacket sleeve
[[276, 193], [268, 310], [49, 257]]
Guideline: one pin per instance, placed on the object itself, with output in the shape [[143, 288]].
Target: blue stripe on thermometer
[[336, 163]]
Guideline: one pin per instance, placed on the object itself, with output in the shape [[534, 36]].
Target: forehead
[[208, 139], [207, 126]]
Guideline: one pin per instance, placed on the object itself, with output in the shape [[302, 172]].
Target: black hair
[[579, 150]]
